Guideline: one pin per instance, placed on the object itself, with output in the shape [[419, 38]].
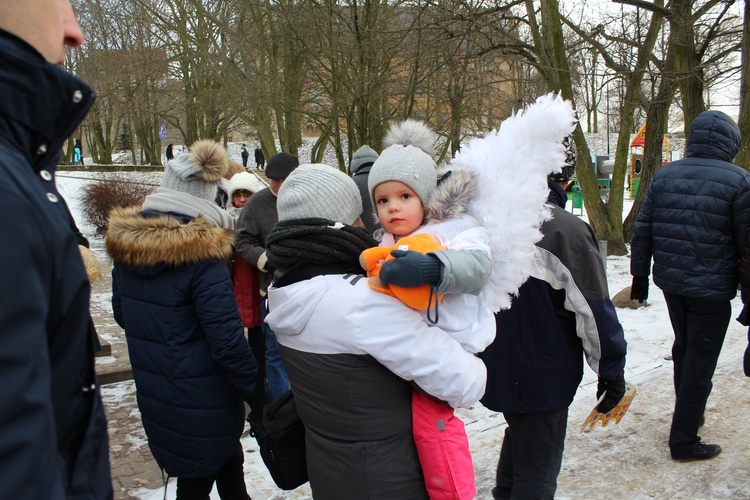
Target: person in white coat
[[352, 354]]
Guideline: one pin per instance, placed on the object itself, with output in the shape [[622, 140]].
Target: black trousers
[[699, 329], [531, 455], [230, 482]]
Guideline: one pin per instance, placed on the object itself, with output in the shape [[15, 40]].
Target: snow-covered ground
[[649, 337]]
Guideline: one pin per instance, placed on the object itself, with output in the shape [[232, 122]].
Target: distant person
[[353, 353], [53, 431], [260, 160], [172, 294], [245, 156], [256, 221], [693, 224], [170, 152], [362, 161], [534, 367], [78, 153]]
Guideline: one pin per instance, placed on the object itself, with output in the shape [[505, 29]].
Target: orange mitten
[[417, 297], [372, 260]]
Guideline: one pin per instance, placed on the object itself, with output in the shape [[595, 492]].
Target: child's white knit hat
[[407, 158]]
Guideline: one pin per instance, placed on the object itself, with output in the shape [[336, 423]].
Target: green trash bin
[[634, 183], [577, 197]]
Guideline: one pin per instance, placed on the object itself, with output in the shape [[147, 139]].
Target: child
[[412, 203], [484, 216]]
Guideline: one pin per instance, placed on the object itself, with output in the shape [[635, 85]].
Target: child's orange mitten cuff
[[374, 258]]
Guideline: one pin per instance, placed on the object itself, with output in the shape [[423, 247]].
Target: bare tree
[[743, 157]]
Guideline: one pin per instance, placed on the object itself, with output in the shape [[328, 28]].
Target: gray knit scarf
[[316, 242], [169, 200]]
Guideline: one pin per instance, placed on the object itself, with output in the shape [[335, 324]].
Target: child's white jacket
[[466, 265]]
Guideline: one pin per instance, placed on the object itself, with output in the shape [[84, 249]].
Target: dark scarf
[[557, 194], [315, 243]]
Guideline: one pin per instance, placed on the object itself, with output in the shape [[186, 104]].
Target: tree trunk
[[657, 116], [687, 61], [743, 157]]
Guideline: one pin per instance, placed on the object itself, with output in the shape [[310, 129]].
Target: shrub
[[111, 190]]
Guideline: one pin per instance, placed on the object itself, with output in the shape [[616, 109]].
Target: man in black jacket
[[257, 219], [53, 436], [693, 224], [535, 364]]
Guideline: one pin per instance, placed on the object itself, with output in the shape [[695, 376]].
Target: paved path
[[630, 460]]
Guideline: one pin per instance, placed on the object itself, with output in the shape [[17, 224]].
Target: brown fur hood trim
[[137, 241], [453, 194]]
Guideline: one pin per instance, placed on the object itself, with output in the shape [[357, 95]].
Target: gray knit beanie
[[316, 190], [408, 159], [362, 157], [197, 172]]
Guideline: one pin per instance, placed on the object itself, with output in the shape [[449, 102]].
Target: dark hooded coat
[[192, 366], [53, 434]]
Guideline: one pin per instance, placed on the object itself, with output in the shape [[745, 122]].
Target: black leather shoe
[[701, 451]]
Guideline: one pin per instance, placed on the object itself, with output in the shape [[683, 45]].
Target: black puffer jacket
[[696, 216]]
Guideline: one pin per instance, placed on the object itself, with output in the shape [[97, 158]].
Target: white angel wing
[[512, 165]]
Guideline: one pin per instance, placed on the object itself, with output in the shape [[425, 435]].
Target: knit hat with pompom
[[198, 171], [407, 158]]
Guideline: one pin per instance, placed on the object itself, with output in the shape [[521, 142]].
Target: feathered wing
[[512, 165]]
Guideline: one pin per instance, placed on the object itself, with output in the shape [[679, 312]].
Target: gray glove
[[411, 268]]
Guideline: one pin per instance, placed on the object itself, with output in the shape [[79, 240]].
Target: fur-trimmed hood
[[135, 240], [456, 187]]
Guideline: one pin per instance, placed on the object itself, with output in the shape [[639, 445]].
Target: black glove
[[639, 289], [411, 268], [615, 391], [746, 361]]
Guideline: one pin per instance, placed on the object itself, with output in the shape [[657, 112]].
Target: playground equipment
[[636, 159]]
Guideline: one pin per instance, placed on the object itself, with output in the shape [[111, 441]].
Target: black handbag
[[280, 434]]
